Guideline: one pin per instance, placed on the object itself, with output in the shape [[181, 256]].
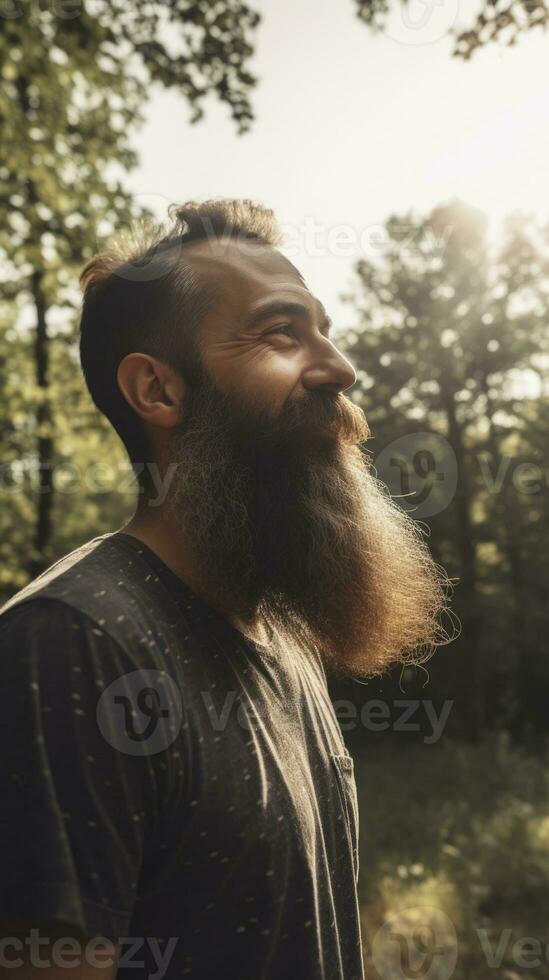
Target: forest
[[448, 331]]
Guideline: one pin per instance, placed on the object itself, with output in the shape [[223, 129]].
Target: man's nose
[[329, 367]]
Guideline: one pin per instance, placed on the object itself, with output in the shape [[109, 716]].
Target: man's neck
[[161, 535]]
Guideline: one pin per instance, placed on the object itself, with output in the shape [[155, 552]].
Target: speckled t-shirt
[[167, 783]]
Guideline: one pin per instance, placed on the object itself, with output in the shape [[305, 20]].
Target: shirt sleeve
[[77, 808]]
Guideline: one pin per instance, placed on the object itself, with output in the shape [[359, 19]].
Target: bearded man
[[176, 766]]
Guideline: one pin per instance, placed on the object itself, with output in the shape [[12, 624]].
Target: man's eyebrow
[[285, 307]]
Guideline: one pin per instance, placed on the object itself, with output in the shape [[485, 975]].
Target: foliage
[[75, 78], [452, 349], [461, 829], [498, 21]]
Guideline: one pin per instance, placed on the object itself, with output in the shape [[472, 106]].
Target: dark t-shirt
[[169, 784]]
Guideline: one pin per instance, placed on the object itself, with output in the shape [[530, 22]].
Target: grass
[[454, 857]]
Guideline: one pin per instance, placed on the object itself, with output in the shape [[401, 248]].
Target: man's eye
[[281, 327]]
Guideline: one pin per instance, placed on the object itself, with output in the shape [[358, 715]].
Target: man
[[176, 767]]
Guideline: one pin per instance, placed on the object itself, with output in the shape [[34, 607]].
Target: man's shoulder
[[108, 585], [105, 597], [71, 578], [102, 583], [47, 628]]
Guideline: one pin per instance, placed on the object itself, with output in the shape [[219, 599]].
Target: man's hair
[[140, 295]]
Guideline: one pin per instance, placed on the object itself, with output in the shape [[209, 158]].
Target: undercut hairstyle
[[141, 296]]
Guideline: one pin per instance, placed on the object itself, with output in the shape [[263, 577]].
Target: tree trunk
[[471, 679], [43, 528], [42, 533], [507, 512]]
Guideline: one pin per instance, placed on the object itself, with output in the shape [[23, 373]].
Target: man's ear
[[154, 389]]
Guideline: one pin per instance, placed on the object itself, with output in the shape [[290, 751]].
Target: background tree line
[[452, 338], [452, 353], [450, 345], [451, 349]]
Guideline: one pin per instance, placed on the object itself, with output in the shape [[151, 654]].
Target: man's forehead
[[246, 256], [249, 273]]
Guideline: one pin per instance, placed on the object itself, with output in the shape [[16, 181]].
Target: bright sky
[[352, 127]]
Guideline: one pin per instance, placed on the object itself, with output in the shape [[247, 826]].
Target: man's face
[[277, 506], [267, 343]]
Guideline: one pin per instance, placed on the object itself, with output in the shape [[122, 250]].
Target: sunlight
[[503, 164]]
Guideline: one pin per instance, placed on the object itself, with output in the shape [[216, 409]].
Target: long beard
[[282, 517]]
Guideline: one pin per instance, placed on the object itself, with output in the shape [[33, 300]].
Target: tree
[[75, 80], [450, 336], [498, 21]]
